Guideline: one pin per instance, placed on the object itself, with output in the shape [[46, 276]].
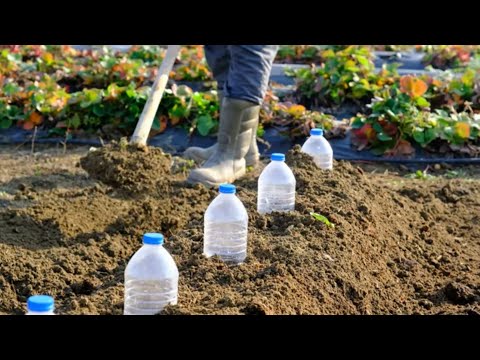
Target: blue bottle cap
[[316, 132], [153, 239], [277, 157], [40, 303], [227, 189]]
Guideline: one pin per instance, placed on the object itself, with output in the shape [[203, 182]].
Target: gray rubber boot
[[253, 155], [200, 155], [227, 162]]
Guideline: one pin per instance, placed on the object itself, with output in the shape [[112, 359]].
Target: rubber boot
[[200, 155], [238, 120]]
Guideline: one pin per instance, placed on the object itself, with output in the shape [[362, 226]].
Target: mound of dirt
[[393, 249], [127, 167]]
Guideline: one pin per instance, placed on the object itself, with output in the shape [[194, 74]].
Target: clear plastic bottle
[[319, 148], [276, 187], [40, 305], [151, 278], [226, 226]]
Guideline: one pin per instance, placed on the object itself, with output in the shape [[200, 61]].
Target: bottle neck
[[152, 245]]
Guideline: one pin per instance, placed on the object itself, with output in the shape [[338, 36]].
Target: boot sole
[[210, 184], [199, 160]]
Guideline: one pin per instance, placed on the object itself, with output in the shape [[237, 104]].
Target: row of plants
[[109, 112], [101, 92], [439, 114], [394, 113], [99, 67], [437, 56], [345, 74], [401, 116], [349, 75]]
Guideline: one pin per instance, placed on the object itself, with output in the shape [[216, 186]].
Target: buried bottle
[[320, 149], [225, 227], [151, 278], [276, 187]]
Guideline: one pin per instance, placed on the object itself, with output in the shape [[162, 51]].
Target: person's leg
[[218, 59], [248, 79], [246, 84], [250, 74]]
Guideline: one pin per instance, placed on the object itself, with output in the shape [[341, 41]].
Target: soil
[[127, 167], [398, 245]]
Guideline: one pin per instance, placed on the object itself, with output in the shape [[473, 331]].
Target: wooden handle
[[145, 122]]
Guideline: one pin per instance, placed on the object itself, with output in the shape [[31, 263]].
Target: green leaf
[[205, 123], [178, 111], [322, 219], [5, 123], [10, 89], [377, 127], [98, 110], [430, 135], [390, 112], [357, 123], [93, 95], [380, 150], [260, 131], [156, 124], [383, 137], [57, 131], [75, 121], [363, 60], [419, 136], [468, 77], [422, 102], [134, 109], [131, 93]]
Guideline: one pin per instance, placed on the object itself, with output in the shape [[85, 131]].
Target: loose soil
[[399, 246]]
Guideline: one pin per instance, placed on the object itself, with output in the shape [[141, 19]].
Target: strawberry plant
[[294, 117], [191, 52], [151, 54], [455, 88], [9, 114], [400, 115], [346, 74], [448, 56], [192, 71], [396, 48], [296, 54]]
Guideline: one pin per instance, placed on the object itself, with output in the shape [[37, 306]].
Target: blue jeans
[[242, 71]]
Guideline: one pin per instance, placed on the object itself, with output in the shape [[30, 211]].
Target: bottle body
[[226, 229], [320, 150], [40, 313], [276, 188], [151, 281]]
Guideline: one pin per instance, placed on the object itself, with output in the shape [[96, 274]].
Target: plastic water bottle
[[40, 305], [319, 148], [276, 187], [151, 278], [225, 227]]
